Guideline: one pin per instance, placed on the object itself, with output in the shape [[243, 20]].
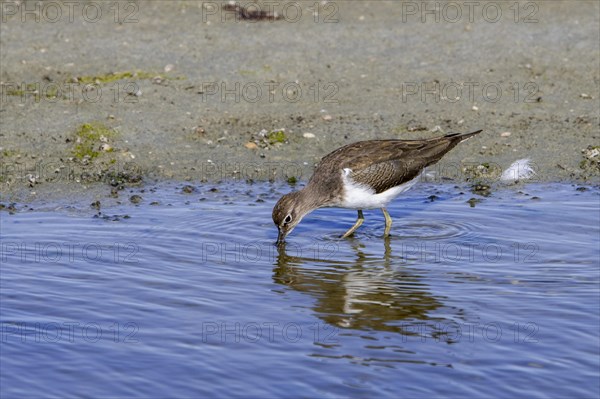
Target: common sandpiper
[[363, 175]]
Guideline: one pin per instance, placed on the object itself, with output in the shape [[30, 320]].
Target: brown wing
[[385, 175], [383, 164]]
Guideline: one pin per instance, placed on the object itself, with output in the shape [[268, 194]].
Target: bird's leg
[[388, 222], [359, 221]]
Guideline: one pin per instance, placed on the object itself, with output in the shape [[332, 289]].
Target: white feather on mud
[[519, 170]]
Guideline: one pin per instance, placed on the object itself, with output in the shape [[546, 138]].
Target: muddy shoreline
[[181, 91]]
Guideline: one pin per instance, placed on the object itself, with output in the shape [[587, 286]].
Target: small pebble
[[327, 117], [188, 189], [473, 201], [505, 134], [251, 146], [32, 180], [135, 199]]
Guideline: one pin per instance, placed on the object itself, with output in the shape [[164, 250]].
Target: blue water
[[189, 297]]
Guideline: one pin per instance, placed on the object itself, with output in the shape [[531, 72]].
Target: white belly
[[358, 196]]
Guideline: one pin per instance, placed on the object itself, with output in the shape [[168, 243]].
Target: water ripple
[[501, 297]]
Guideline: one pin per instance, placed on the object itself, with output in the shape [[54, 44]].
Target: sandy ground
[[185, 89]]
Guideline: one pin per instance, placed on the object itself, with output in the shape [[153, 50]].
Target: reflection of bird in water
[[367, 294]]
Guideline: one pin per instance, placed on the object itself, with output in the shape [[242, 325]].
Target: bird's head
[[288, 212]]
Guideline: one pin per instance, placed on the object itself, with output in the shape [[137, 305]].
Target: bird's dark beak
[[280, 237]]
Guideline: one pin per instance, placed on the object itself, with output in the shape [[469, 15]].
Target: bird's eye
[[287, 219]]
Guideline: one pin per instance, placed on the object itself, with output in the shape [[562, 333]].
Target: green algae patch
[[89, 137], [276, 136], [9, 153], [248, 72], [116, 76], [21, 90], [30, 89]]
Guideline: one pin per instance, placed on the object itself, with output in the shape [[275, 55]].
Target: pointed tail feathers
[[463, 136], [442, 144]]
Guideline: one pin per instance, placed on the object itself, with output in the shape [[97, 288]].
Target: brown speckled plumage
[[379, 164]]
